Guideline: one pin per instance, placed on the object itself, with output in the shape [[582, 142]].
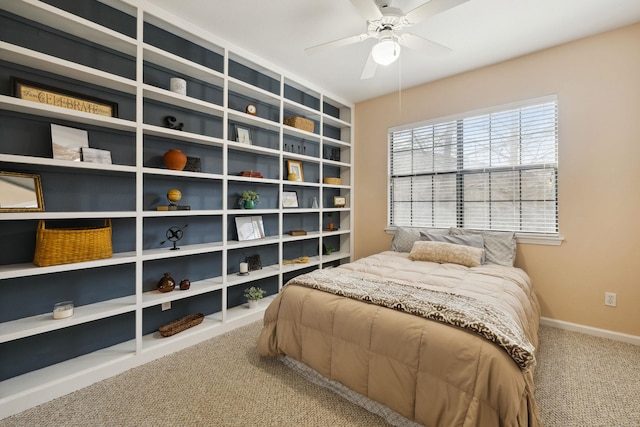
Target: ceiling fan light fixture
[[386, 51]]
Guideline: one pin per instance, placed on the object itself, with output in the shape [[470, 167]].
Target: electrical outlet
[[166, 306], [610, 299]]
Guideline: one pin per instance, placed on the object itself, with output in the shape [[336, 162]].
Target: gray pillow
[[476, 241], [404, 237], [500, 246]]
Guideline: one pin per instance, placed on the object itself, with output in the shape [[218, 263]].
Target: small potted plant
[[253, 295], [249, 199], [330, 219], [328, 250]]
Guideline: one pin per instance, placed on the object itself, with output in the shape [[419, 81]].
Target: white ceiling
[[479, 32]]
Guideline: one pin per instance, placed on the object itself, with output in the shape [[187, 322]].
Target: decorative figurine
[[174, 234], [166, 284]]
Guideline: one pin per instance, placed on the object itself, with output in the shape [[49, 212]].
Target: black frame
[[16, 84]]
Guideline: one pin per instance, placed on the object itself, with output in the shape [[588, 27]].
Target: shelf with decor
[[125, 53], [42, 323]]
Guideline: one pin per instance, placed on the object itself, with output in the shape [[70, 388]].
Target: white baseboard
[[602, 333]]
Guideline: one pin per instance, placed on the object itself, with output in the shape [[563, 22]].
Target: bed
[[441, 333]]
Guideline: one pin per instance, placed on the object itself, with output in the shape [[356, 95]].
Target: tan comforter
[[428, 371]]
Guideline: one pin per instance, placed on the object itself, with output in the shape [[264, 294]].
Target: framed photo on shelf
[[295, 167], [289, 199], [250, 228], [254, 262], [339, 201], [243, 135], [94, 155], [67, 143]]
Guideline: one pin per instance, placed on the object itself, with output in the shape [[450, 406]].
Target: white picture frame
[[95, 155], [290, 199], [243, 135], [67, 142], [250, 228]]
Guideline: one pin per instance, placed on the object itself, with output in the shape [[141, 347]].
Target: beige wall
[[597, 81]]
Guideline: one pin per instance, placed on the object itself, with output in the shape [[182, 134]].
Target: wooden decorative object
[[181, 324]]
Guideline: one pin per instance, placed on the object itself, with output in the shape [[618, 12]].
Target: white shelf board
[[72, 70], [177, 100], [43, 110], [182, 66], [161, 132], [169, 172], [9, 271], [335, 142], [59, 19], [332, 121], [310, 235], [65, 215], [195, 212], [64, 371], [241, 311], [199, 287], [55, 163], [163, 253], [42, 323], [314, 261], [154, 340], [248, 119], [263, 273], [245, 89]]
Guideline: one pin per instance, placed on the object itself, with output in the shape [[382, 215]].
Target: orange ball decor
[[175, 160], [174, 195]]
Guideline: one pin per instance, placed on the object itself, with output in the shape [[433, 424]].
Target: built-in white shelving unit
[[126, 51]]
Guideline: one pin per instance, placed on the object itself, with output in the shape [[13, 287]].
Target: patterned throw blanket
[[486, 320]]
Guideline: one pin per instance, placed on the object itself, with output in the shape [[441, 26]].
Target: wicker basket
[[56, 246], [332, 181], [300, 123], [181, 324]]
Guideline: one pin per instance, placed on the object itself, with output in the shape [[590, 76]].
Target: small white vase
[[253, 304], [178, 86]]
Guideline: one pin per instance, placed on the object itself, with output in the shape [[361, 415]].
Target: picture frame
[[243, 135], [255, 263], [20, 192], [45, 94], [67, 142], [94, 155], [290, 199], [295, 167], [250, 228], [339, 201]]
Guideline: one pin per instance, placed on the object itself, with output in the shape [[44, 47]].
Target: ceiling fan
[[387, 24]]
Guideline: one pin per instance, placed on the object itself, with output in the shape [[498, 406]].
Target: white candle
[[62, 310], [178, 86], [244, 267]]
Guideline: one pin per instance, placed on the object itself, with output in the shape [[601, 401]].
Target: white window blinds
[[493, 170]]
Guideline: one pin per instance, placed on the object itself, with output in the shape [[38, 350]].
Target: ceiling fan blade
[[431, 8], [367, 9], [421, 44], [369, 68], [336, 43]]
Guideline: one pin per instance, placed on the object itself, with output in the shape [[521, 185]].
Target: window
[[489, 170]]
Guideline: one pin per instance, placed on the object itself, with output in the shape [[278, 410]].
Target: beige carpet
[[581, 381]]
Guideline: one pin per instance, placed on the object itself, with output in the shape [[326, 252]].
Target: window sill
[[523, 238]]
